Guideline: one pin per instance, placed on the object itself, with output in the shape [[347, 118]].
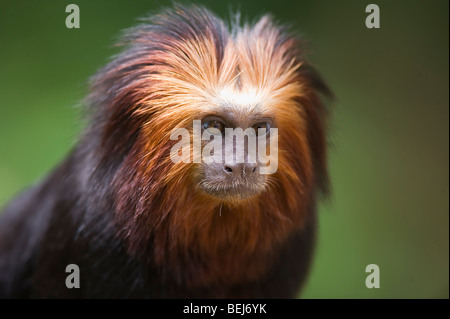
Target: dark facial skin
[[234, 178]]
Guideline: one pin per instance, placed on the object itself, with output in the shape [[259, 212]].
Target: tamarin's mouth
[[232, 191], [231, 181]]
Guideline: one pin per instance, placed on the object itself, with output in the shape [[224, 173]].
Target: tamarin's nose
[[240, 169]]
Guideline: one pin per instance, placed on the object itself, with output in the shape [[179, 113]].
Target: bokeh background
[[389, 158]]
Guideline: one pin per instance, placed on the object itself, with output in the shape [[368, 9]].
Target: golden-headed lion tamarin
[[140, 225]]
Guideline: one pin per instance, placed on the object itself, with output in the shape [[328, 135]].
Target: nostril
[[228, 169], [254, 169]]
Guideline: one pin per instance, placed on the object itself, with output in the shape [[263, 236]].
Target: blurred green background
[[390, 156]]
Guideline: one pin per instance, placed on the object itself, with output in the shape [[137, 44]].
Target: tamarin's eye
[[262, 125], [213, 126]]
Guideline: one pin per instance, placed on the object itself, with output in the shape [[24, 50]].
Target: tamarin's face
[[237, 173], [247, 80], [239, 126], [185, 68]]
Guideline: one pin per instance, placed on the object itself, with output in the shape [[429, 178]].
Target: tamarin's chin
[[139, 224], [238, 189], [233, 194]]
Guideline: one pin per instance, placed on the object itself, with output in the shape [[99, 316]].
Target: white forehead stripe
[[247, 97]]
